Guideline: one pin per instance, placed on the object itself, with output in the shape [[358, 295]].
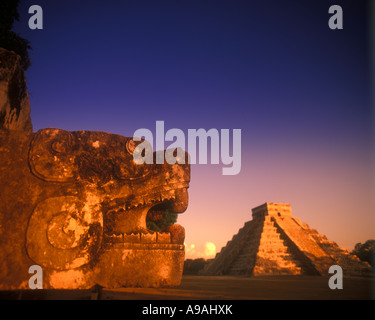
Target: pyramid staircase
[[275, 243], [272, 256]]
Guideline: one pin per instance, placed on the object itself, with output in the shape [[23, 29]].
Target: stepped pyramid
[[276, 243]]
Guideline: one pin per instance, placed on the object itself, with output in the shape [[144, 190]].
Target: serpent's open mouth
[[126, 222]]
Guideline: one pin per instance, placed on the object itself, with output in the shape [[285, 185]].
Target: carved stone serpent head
[[76, 204]]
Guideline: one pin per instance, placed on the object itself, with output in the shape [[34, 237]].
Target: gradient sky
[[299, 91]]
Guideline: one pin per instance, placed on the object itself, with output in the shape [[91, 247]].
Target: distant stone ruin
[[276, 243]]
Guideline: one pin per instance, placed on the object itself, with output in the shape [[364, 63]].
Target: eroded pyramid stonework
[[276, 243]]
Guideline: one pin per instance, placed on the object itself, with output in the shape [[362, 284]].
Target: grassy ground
[[260, 288], [202, 287]]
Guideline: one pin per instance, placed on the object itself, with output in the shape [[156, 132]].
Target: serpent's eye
[[51, 155], [130, 146]]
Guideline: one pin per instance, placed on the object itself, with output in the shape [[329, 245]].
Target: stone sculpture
[[76, 204]]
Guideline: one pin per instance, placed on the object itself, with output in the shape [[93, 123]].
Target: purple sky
[[299, 91]]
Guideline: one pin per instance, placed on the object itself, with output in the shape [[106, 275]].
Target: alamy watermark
[[36, 20], [335, 21], [36, 280], [335, 281], [197, 140]]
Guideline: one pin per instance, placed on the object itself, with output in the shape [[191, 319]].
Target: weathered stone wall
[[14, 99], [68, 198]]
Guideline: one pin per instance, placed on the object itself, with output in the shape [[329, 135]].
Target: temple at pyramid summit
[[276, 243]]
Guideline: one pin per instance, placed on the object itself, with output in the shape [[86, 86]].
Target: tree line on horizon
[[194, 266], [365, 252], [10, 40]]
